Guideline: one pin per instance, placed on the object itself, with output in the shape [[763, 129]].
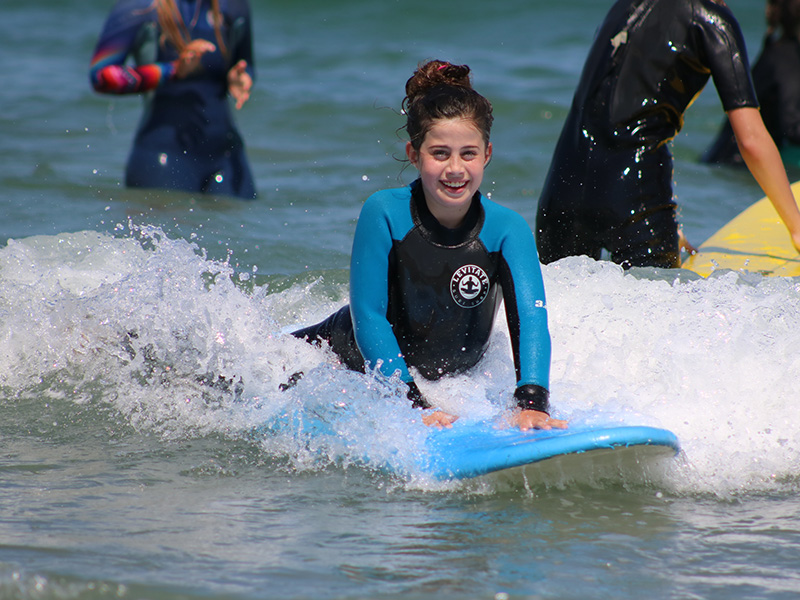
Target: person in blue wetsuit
[[189, 56], [610, 180], [432, 261], [776, 77]]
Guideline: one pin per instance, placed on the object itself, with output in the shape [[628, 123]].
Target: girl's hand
[[239, 83], [438, 418], [189, 60], [535, 419]]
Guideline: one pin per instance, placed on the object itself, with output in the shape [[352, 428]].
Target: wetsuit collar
[[437, 233]]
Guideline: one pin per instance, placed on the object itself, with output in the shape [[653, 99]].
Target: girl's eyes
[[444, 154]]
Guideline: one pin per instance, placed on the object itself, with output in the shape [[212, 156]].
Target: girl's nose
[[455, 165]]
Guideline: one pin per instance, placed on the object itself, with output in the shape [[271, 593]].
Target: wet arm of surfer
[[526, 315], [764, 161]]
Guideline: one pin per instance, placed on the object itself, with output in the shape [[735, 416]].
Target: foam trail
[[712, 360]]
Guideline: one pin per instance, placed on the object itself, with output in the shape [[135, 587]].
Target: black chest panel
[[444, 292]]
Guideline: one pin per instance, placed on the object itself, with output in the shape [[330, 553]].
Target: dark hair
[[440, 90]]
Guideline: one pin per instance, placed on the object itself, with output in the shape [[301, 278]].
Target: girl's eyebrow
[[447, 146]]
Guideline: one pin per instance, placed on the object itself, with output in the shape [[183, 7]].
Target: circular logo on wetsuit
[[469, 286]]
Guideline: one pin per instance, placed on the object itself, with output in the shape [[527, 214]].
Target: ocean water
[[129, 470]]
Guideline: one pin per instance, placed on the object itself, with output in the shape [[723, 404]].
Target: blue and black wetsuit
[[186, 139], [610, 180], [425, 296]]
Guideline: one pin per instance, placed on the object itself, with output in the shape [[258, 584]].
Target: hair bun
[[441, 90], [433, 73]]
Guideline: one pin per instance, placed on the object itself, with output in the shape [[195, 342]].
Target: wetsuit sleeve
[[108, 73], [526, 311], [242, 36], [725, 52], [369, 291]]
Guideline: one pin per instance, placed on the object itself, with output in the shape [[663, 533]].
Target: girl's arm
[[526, 307], [526, 312], [764, 161], [122, 32], [369, 291], [369, 301]]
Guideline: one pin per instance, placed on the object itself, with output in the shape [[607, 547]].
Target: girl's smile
[[450, 161]]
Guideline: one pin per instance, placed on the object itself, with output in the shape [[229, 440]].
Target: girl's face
[[450, 161]]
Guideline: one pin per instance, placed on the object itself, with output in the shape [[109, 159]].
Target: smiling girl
[[432, 261]]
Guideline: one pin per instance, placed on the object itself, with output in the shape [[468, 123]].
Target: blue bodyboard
[[474, 449]]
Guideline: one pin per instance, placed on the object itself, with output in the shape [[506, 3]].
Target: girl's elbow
[[749, 145]]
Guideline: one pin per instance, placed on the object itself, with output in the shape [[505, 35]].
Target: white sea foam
[[149, 325]]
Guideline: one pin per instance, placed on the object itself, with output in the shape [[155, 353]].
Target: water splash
[[181, 345]]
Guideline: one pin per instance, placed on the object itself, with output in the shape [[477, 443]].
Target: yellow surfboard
[[756, 240]]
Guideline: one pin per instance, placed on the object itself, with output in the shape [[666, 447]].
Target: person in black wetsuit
[[610, 180], [432, 261], [189, 56], [776, 77]]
